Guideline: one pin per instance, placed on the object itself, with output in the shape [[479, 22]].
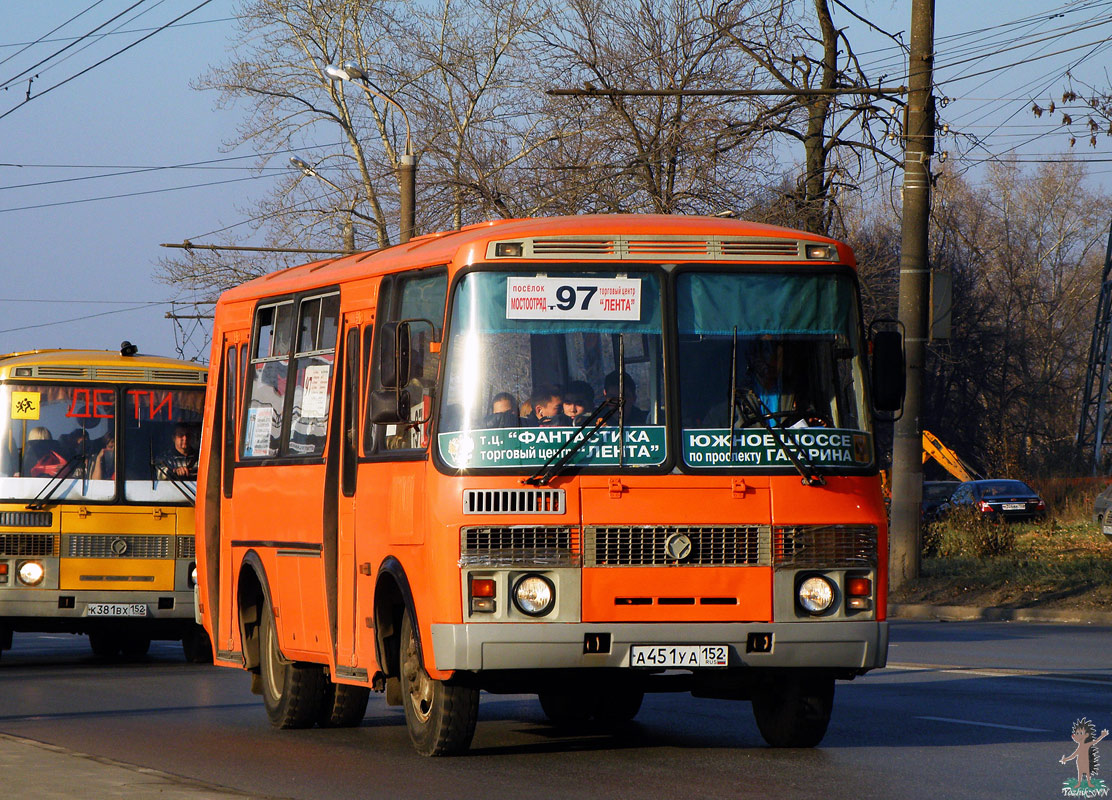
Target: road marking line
[[987, 724], [998, 673]]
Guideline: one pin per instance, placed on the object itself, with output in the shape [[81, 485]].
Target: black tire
[[105, 644], [293, 693], [344, 706], [440, 716], [618, 706], [566, 709], [572, 709], [196, 645], [134, 645], [794, 710]]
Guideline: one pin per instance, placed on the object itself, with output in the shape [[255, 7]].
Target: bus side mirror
[[888, 370], [390, 406], [393, 358]]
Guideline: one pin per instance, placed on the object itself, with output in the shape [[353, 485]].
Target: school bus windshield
[[783, 351], [531, 357], [71, 443]]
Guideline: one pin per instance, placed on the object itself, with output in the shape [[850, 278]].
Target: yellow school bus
[[97, 484]]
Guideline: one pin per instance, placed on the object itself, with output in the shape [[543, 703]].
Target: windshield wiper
[[566, 452], [42, 498], [758, 410]]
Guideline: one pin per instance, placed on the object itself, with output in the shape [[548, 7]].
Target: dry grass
[[1063, 562]]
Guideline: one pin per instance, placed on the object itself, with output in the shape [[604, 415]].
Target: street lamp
[[407, 163], [349, 228]]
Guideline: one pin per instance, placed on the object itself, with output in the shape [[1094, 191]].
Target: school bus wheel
[[293, 693], [441, 716]]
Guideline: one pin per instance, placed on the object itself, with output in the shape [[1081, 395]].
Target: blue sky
[[73, 246]]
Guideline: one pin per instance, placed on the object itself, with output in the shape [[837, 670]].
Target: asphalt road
[[966, 710]]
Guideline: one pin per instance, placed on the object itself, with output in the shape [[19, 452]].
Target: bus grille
[[110, 546], [513, 501], [28, 544], [187, 547], [824, 546], [26, 519], [515, 545], [671, 546]]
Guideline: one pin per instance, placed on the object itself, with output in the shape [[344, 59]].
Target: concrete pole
[[407, 185], [907, 449]]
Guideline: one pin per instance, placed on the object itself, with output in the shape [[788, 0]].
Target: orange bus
[[581, 457]]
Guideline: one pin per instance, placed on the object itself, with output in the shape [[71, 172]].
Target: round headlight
[[816, 594], [534, 595], [31, 573], [193, 576]]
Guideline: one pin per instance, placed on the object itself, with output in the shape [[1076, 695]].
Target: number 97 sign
[[573, 297]]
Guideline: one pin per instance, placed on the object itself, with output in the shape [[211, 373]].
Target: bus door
[[390, 508], [223, 576], [349, 385]]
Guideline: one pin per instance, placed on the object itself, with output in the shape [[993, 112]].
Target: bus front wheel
[[440, 716], [793, 710], [292, 693]]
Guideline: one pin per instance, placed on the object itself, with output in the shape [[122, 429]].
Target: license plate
[[1013, 506], [116, 610], [679, 655]]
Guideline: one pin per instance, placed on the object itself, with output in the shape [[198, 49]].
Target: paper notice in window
[[258, 432], [314, 402]]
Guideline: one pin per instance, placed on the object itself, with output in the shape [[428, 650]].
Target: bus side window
[[352, 371], [231, 394], [318, 322], [418, 295], [268, 374]]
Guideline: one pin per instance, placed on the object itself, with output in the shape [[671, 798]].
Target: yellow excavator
[[950, 461]]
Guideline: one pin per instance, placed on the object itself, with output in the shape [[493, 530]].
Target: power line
[[110, 57], [132, 194], [79, 319], [43, 38], [107, 33]]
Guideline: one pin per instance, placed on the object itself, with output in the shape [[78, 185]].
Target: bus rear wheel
[[344, 705], [794, 710], [440, 716], [292, 693], [105, 644]]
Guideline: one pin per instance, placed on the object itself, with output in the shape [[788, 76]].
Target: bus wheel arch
[[392, 599], [252, 594]]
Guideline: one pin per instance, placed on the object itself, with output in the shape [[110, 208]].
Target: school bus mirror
[[888, 370], [389, 406], [393, 362]]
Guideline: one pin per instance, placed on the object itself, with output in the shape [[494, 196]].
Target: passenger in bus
[[104, 463], [43, 456], [546, 407], [579, 400], [503, 412], [612, 387], [180, 461]]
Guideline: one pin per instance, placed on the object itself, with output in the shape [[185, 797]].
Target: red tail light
[[1042, 505], [983, 507]]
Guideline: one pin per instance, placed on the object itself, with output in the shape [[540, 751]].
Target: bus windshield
[[532, 357], [783, 350], [65, 443]]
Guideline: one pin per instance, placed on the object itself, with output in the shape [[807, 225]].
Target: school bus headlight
[[192, 575], [30, 573], [816, 594], [534, 595]]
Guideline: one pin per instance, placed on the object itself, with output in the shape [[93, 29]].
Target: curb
[[971, 613]]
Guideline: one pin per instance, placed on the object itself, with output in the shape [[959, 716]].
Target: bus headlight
[[534, 595], [31, 573], [192, 575], [816, 594]]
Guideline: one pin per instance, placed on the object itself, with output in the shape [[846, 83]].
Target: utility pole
[[907, 448]]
